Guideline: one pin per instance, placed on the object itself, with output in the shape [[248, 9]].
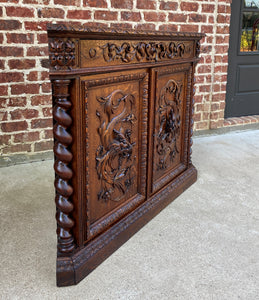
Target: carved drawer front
[[171, 117], [116, 141]]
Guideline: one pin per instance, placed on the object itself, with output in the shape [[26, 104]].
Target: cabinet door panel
[[171, 117], [116, 146]]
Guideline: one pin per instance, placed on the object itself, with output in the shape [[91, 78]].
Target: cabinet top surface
[[85, 32]]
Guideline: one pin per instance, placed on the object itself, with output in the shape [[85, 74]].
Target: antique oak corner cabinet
[[122, 109]]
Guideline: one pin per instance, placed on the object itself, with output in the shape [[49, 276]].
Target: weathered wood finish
[[122, 109]]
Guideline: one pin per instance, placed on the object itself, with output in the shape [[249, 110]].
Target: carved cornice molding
[[80, 29]]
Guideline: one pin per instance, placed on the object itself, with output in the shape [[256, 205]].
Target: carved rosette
[[62, 53], [114, 157], [63, 158], [170, 121], [152, 51]]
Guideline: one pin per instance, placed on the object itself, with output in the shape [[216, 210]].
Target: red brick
[[79, 14], [211, 20], [1, 11], [18, 89], [145, 26], [41, 146], [96, 3], [222, 39], [130, 16], [177, 17], [221, 49], [5, 139], [18, 114], [105, 15], [168, 5], [225, 19], [1, 38], [124, 26], [10, 24], [41, 100], [42, 38], [214, 106], [154, 17], [2, 64], [197, 18], [3, 116], [11, 51], [128, 4], [47, 111], [168, 27], [197, 117], [17, 148], [46, 87], [207, 29], [3, 90], [20, 38], [48, 134], [68, 2], [46, 12], [208, 8], [218, 97], [225, 9], [21, 64], [19, 12], [26, 137], [14, 126], [35, 26], [44, 75], [41, 123], [187, 6], [147, 4], [204, 69], [201, 125], [19, 101], [11, 77], [189, 28], [32, 76], [37, 51], [222, 29], [204, 88]]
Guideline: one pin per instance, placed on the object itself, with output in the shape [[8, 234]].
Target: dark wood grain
[[122, 109]]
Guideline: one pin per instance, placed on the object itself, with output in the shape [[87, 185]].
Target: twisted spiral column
[[63, 157]]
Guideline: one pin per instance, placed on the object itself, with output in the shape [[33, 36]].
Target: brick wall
[[25, 102]]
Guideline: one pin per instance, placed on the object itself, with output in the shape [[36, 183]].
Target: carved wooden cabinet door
[[170, 120], [116, 141]]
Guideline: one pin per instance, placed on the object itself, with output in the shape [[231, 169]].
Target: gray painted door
[[243, 71]]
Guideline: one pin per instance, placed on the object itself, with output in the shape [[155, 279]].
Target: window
[[249, 41]]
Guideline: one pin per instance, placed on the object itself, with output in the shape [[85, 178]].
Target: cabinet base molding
[[71, 271]]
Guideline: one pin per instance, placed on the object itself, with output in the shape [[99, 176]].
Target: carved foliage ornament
[[114, 157], [169, 121], [62, 53], [152, 51]]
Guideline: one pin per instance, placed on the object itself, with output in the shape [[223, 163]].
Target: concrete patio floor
[[205, 245]]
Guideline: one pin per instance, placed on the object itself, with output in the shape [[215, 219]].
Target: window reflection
[[250, 32], [251, 3]]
